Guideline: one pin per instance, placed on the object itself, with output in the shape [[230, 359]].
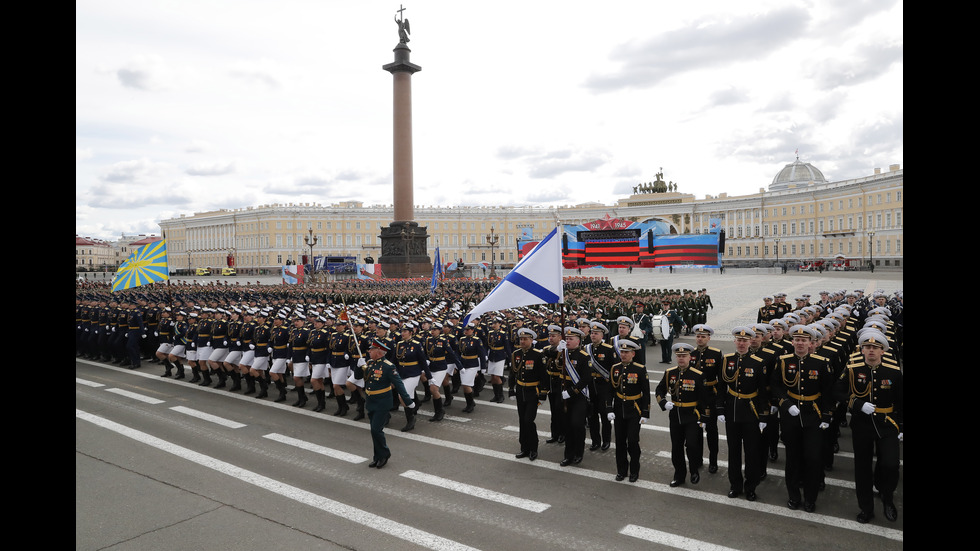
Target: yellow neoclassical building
[[799, 218]]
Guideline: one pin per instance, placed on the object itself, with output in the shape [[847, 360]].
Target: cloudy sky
[[185, 106]]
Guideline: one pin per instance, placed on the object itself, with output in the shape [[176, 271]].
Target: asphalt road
[[163, 464]]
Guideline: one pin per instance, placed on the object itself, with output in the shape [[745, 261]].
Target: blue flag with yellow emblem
[[147, 264]]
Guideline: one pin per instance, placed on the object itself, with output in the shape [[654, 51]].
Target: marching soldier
[[801, 383], [262, 341], [474, 358], [683, 395], [708, 360], [576, 388], [628, 407], [743, 407], [531, 388], [873, 393], [440, 354], [279, 341], [411, 363], [380, 378], [319, 343], [556, 403], [499, 351], [299, 348], [602, 357]]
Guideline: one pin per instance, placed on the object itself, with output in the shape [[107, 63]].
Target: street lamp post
[[777, 251], [492, 240], [311, 240], [871, 248]]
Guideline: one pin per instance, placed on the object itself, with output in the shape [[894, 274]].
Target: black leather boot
[[342, 407]]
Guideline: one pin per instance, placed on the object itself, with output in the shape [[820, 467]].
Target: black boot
[[263, 388], [470, 403], [428, 394], [498, 393], [169, 368], [281, 387], [478, 385], [222, 377], [321, 400], [410, 420], [180, 370], [196, 371], [449, 395], [342, 407], [236, 381], [206, 378], [249, 384], [440, 411], [301, 401], [359, 400]]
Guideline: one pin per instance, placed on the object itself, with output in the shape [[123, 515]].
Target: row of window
[[817, 249]]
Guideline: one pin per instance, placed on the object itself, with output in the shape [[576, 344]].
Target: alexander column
[[404, 251]]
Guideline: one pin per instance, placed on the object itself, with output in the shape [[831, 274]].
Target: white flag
[[535, 280]]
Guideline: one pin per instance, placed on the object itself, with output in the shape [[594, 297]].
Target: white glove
[[762, 426], [773, 410], [793, 410], [156, 333], [868, 408], [669, 405], [611, 416], [143, 335], [643, 420], [361, 362], [224, 344], [208, 344], [270, 350], [565, 394], [251, 346], [346, 357], [307, 358], [900, 436], [721, 419], [126, 335], [561, 346], [824, 426]]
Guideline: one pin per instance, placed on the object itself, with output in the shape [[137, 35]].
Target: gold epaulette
[[784, 356], [715, 349], [819, 357]]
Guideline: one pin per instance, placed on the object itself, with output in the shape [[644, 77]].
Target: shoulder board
[[895, 367], [669, 369], [714, 349], [696, 371], [758, 358], [784, 356], [819, 357], [637, 365]]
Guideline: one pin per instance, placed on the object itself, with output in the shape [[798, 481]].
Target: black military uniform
[[682, 393], [802, 387], [744, 402], [531, 386], [874, 396], [629, 407]]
